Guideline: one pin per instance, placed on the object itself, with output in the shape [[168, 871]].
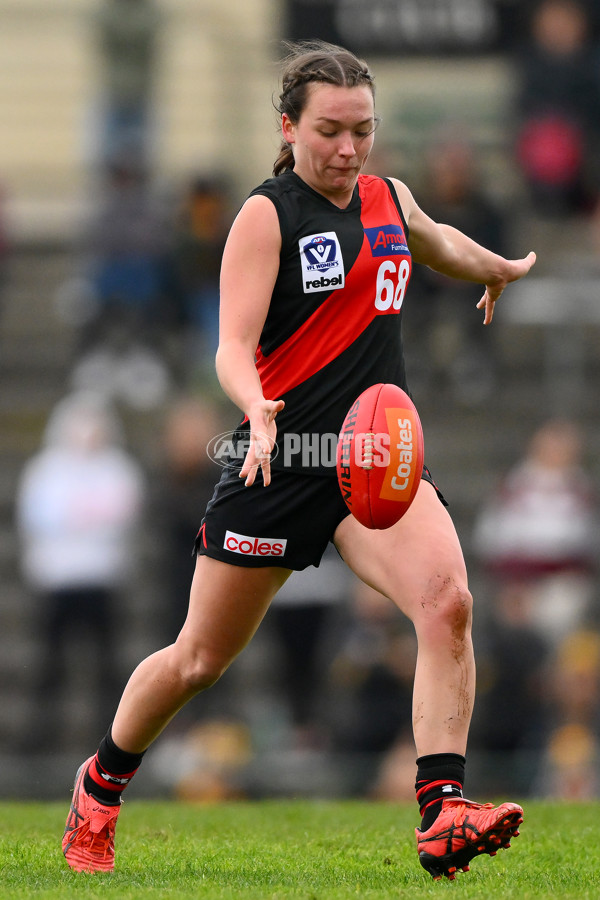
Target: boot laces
[[98, 842], [461, 811]]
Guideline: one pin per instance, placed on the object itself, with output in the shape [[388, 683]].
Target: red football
[[380, 455]]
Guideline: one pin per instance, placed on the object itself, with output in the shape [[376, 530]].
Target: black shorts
[[287, 524]]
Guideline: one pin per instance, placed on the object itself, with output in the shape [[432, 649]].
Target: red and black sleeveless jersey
[[333, 326]]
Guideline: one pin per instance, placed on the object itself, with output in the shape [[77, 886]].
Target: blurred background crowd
[[133, 130]]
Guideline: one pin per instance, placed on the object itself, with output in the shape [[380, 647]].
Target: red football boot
[[89, 839], [463, 830]]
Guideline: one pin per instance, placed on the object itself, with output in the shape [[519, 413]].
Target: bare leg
[[227, 604], [418, 563]]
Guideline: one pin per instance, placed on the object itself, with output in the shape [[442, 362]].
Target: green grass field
[[298, 849]]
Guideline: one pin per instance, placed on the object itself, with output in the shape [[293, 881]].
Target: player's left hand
[[516, 268]]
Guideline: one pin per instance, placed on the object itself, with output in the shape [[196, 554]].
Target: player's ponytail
[[285, 159]]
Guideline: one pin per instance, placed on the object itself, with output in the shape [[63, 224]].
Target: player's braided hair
[[314, 61]]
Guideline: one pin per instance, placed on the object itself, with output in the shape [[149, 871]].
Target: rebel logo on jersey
[[322, 263]]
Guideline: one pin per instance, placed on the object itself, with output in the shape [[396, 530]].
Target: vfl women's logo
[[320, 252], [322, 264]]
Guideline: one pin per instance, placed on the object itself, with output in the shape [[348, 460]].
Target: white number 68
[[391, 284]]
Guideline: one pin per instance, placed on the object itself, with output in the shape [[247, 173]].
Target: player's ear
[[288, 129]]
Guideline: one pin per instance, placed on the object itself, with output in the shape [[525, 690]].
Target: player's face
[[332, 139]]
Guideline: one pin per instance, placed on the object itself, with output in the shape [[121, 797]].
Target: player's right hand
[[263, 433]]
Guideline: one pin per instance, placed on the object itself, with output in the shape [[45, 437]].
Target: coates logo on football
[[229, 448], [322, 264], [254, 546], [400, 473]]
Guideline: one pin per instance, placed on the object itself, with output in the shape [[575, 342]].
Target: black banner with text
[[409, 27]]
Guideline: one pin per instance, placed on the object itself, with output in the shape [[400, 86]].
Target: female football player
[[314, 276]]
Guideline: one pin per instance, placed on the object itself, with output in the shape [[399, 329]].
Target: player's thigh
[[227, 604], [411, 561]]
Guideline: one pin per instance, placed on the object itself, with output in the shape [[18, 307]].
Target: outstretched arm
[[248, 272], [449, 251]]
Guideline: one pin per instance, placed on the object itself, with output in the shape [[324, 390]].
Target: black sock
[[110, 771], [439, 775]]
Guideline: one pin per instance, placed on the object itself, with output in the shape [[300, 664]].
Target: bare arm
[[452, 253], [248, 273]]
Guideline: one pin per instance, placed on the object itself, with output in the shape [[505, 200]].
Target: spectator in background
[[540, 530], [183, 484], [570, 768], [201, 229], [558, 98], [4, 248], [457, 348], [511, 723], [371, 686], [300, 619], [125, 247], [126, 33], [78, 505]]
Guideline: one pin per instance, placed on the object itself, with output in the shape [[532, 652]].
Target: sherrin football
[[380, 455]]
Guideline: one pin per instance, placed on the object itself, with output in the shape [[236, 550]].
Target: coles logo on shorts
[[254, 546]]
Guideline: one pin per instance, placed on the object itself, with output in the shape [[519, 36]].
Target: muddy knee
[[447, 606]]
